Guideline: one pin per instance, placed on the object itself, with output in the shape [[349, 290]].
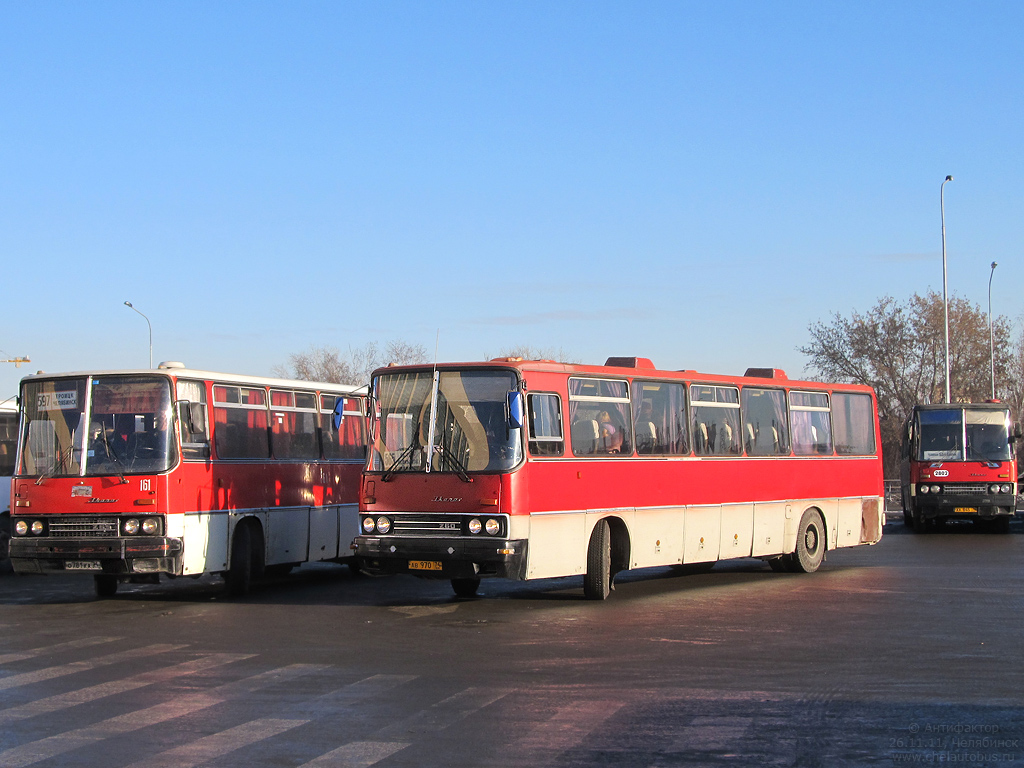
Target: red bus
[[957, 463], [533, 469], [130, 475]]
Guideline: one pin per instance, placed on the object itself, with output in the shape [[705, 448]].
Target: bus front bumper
[[442, 557], [967, 506], [125, 556]]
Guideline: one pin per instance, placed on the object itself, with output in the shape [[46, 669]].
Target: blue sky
[[687, 181]]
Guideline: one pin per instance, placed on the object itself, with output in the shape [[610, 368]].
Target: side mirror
[[339, 413], [516, 409], [1016, 433]]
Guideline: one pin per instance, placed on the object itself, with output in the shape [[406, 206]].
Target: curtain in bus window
[[55, 428], [240, 433], [715, 416], [988, 437], [659, 418], [472, 432], [853, 424], [600, 417], [765, 431], [545, 425]]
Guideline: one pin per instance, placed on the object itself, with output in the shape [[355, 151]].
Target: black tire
[[907, 519], [278, 571], [597, 583], [810, 543], [919, 523], [239, 575], [106, 585], [780, 564], [465, 587]]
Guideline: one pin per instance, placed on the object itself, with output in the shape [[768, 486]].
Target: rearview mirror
[[339, 412], [516, 409]]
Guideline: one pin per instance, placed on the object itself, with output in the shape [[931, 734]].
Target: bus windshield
[[107, 425], [964, 435], [471, 431]]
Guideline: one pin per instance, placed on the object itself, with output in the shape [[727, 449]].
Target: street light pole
[[991, 341], [945, 286], [129, 305]]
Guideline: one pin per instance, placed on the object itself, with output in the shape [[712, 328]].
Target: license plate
[[424, 565], [966, 510], [82, 565]]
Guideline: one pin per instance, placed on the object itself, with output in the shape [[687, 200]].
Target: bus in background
[[957, 463], [8, 446], [535, 469], [130, 475]]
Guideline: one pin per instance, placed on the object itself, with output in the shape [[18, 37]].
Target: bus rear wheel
[[465, 587], [810, 543], [597, 583]]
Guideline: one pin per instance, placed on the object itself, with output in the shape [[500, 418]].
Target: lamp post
[[129, 305], [991, 341], [945, 293]]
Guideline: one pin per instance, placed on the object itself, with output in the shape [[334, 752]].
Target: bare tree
[[328, 364], [527, 352], [898, 349]]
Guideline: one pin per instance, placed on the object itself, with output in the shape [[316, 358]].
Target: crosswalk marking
[[93, 692], [356, 754], [84, 642], [35, 751], [218, 744], [49, 673], [442, 714], [569, 726]]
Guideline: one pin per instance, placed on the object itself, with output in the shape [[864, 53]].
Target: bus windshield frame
[[460, 418], [94, 426], [964, 434]]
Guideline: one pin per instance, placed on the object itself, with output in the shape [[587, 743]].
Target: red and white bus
[[534, 469], [127, 475], [957, 463]]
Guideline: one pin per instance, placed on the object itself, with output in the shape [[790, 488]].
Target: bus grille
[[427, 525], [966, 489], [76, 527]]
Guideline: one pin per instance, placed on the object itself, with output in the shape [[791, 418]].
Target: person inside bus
[[152, 443], [611, 435]]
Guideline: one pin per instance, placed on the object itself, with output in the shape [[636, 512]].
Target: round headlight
[[492, 526], [936, 488], [150, 526], [37, 527], [1006, 488], [475, 526], [994, 488], [383, 524], [21, 527], [367, 525], [131, 527], [924, 489]]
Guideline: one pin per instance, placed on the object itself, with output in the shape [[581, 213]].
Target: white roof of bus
[[220, 377]]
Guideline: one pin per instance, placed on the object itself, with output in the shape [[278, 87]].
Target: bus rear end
[[958, 464]]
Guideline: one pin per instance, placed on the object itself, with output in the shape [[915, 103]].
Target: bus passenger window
[[545, 414]]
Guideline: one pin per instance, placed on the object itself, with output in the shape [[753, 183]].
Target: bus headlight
[[383, 525], [367, 525], [21, 527], [131, 527], [924, 489], [994, 488], [475, 526], [150, 526], [492, 526], [1005, 488], [37, 527], [936, 489]]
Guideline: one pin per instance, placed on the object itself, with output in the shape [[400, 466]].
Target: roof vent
[[171, 364], [628, 362], [766, 373]]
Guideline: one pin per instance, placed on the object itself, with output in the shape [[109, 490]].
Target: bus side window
[[545, 425], [192, 420]]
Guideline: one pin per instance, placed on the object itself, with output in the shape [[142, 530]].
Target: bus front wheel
[[810, 543], [597, 582], [239, 575], [106, 586], [465, 587]]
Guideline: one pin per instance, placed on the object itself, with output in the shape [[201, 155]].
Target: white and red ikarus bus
[[534, 469], [957, 463], [127, 475]]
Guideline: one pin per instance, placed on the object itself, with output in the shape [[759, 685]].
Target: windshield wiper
[[448, 457], [59, 464], [387, 473], [112, 454]]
